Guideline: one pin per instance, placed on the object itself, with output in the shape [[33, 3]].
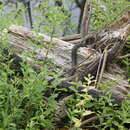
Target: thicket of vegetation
[[23, 92]]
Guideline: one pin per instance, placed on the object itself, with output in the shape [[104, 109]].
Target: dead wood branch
[[123, 57], [85, 19], [71, 37], [88, 121]]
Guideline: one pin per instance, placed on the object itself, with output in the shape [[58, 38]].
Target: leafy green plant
[[109, 10], [22, 101]]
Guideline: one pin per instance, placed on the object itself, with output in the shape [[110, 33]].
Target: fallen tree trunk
[[61, 51]]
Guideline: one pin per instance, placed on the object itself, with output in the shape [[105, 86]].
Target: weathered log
[[61, 51], [20, 36]]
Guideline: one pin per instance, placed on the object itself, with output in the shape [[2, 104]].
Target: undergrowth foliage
[[22, 102], [110, 115], [106, 12]]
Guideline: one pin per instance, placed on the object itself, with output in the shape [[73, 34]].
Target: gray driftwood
[[60, 52]]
